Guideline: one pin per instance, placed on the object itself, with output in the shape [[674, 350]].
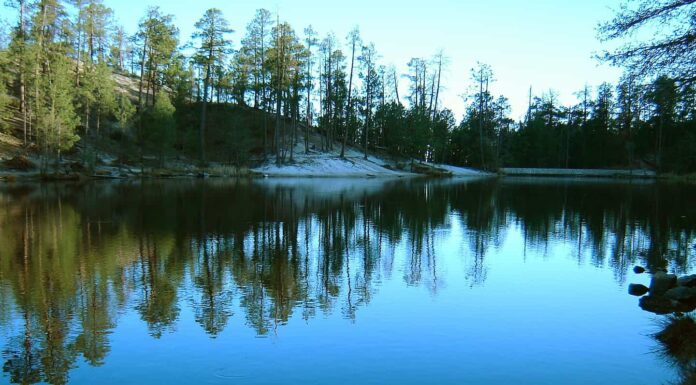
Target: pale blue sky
[[547, 44]]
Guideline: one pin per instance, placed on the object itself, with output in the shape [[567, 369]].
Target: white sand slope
[[354, 164], [330, 164], [459, 171]]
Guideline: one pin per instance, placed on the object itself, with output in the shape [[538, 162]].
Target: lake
[[339, 281]]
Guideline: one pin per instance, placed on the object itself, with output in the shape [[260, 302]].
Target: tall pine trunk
[[22, 80], [349, 107], [204, 107]]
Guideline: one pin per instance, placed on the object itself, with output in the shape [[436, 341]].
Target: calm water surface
[[338, 281]]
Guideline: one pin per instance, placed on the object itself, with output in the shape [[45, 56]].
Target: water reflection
[[677, 346], [73, 258]]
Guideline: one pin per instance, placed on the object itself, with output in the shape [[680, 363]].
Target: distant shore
[[569, 172], [315, 165]]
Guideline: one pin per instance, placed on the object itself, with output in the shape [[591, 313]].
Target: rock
[[77, 167], [426, 169], [637, 290], [688, 281], [639, 270], [658, 305], [661, 282], [20, 163], [681, 293], [663, 305]]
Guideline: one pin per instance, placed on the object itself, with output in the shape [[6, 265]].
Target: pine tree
[[124, 112], [212, 31], [104, 93], [5, 99], [310, 42], [18, 55], [354, 43], [53, 85], [157, 38], [56, 118], [162, 130]]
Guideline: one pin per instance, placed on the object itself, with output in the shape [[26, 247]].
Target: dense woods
[[69, 74]]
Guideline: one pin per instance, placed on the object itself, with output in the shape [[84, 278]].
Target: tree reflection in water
[[73, 257], [677, 345]]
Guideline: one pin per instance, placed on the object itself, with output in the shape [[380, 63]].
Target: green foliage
[[211, 31], [5, 99], [57, 79], [160, 126], [124, 112], [636, 126], [56, 118], [211, 34], [102, 91], [5, 112], [157, 38], [179, 76], [234, 134]]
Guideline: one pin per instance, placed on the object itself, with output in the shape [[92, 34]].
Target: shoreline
[[587, 173], [334, 168]]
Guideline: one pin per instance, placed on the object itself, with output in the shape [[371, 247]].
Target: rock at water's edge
[[681, 293], [657, 305], [637, 290], [661, 282], [688, 281]]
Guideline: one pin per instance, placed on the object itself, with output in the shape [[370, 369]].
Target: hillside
[[235, 146], [330, 164]]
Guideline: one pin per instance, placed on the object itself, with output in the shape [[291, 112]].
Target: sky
[[545, 44]]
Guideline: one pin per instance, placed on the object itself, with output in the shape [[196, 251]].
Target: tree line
[[69, 72]]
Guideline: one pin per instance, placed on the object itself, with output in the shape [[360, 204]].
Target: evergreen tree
[[5, 99], [371, 87], [212, 31], [56, 118], [162, 130], [157, 38], [124, 112]]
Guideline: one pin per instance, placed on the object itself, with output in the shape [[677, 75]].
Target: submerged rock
[[639, 270], [637, 290], [661, 282]]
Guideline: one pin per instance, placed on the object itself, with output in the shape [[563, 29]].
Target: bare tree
[[671, 51]]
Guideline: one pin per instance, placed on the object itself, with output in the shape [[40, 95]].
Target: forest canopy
[[70, 74]]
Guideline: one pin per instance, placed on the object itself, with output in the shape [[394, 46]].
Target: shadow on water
[[73, 257], [677, 346]]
